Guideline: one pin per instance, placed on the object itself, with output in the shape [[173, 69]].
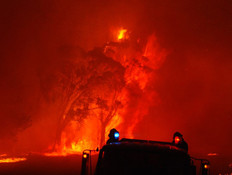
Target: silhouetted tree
[[90, 85]]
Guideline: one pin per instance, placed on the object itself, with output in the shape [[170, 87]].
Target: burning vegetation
[[103, 88], [66, 80], [4, 158]]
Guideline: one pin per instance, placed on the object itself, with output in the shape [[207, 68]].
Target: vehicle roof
[[131, 156], [148, 145]]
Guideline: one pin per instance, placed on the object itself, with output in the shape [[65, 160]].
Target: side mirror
[[86, 167]]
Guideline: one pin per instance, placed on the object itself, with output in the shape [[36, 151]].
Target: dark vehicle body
[[130, 156]]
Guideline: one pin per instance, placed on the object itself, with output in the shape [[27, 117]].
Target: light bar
[[177, 140], [113, 136], [116, 135]]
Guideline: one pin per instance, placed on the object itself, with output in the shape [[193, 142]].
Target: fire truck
[[132, 156]]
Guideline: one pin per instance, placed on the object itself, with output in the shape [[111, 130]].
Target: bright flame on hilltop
[[122, 34]]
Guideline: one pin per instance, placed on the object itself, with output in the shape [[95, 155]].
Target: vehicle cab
[[131, 156]]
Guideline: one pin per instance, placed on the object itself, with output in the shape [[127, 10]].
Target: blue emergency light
[[113, 136], [116, 135]]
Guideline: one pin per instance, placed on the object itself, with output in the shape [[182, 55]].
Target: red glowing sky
[[194, 83]]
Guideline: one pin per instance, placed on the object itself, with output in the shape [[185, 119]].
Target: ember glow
[[4, 158], [212, 154]]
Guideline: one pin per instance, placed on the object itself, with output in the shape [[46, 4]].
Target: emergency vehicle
[[132, 156]]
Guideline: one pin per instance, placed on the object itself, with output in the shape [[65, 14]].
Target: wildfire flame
[[122, 34], [5, 159], [138, 65]]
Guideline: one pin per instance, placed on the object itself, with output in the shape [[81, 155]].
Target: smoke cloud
[[193, 84]]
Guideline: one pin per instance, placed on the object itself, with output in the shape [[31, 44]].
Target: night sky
[[194, 84]]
